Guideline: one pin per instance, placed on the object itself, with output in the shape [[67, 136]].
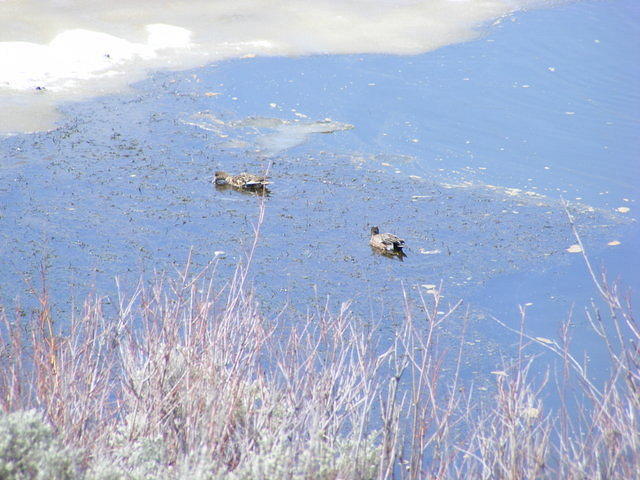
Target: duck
[[244, 180], [387, 242]]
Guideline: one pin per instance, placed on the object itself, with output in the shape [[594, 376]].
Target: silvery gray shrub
[[29, 449]]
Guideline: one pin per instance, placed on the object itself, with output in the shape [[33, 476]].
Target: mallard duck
[[386, 242], [247, 181]]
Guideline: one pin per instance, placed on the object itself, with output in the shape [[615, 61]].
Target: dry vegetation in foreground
[[192, 382]]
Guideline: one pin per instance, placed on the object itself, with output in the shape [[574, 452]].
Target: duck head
[[220, 176]]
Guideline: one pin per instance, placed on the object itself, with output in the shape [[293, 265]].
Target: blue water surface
[[466, 152]]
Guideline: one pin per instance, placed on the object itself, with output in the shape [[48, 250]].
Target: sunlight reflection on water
[[76, 49]]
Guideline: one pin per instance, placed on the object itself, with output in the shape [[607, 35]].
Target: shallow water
[[466, 152], [74, 49]]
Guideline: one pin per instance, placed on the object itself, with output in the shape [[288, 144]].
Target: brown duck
[[246, 181], [386, 242]]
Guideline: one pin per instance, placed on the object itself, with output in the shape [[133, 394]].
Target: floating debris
[[574, 249], [430, 288], [613, 243]]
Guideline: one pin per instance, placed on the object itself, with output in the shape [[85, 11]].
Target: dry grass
[[186, 380]]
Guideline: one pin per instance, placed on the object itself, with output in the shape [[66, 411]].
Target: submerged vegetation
[[188, 379]]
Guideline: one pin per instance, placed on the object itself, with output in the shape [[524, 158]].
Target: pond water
[[466, 152]]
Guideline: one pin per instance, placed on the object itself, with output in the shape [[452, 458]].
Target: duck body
[[244, 180], [386, 242]]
